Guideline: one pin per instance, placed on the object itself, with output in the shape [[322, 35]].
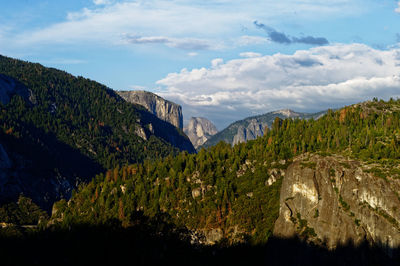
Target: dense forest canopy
[[227, 187]]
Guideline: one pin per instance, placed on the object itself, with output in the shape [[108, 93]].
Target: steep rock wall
[[331, 200], [199, 130], [163, 109]]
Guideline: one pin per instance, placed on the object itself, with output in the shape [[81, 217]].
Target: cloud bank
[[308, 80]]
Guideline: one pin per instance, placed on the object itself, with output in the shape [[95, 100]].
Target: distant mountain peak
[[287, 113], [199, 130]]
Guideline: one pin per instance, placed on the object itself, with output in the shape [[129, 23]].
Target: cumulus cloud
[[250, 54], [308, 80], [397, 10], [282, 38]]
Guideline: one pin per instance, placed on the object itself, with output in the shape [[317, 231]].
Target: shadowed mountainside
[[155, 242], [57, 130]]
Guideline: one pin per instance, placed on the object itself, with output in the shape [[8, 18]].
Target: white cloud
[[216, 62], [250, 54], [108, 20], [183, 43], [101, 2], [173, 19], [398, 7], [251, 40], [308, 80]]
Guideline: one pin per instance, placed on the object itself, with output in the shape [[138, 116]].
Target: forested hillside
[[57, 130], [231, 194]]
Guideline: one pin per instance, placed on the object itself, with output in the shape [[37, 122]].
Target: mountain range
[[252, 127]]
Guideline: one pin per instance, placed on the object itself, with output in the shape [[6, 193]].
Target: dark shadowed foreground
[[155, 242]]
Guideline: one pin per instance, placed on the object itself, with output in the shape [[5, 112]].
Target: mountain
[[329, 182], [252, 127], [58, 130], [163, 109], [199, 130]]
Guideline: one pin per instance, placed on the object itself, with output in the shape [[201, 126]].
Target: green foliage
[[357, 222], [196, 191], [23, 212], [377, 172], [344, 204], [224, 187], [388, 217], [310, 165], [304, 230]]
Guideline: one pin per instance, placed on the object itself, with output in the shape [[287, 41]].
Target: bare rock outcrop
[[253, 130], [10, 87], [199, 130], [163, 109], [332, 200]]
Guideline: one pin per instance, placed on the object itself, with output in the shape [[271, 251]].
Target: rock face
[[163, 109], [199, 130], [252, 127], [17, 176], [10, 87], [330, 200], [252, 131]]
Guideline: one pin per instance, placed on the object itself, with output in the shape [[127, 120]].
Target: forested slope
[[57, 130], [231, 194]]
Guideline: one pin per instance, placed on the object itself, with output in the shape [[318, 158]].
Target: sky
[[223, 60]]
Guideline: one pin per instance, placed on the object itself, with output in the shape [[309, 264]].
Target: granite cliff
[[199, 130], [331, 200], [163, 109]]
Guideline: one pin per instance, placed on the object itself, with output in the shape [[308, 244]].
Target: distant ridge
[[252, 127]]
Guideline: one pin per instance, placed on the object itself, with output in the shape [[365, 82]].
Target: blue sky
[[223, 60]]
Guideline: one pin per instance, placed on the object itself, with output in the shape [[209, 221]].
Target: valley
[[114, 172]]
